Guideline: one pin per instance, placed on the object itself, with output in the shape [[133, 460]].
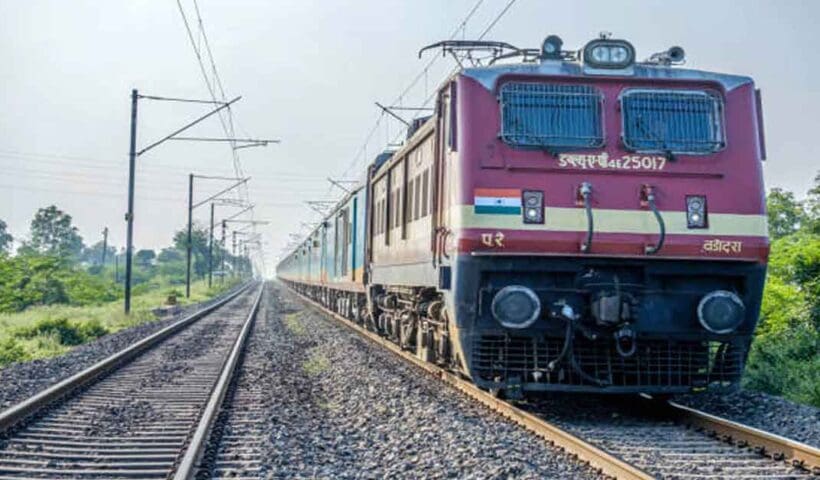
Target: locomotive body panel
[[730, 179]]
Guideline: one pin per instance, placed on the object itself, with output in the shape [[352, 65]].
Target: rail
[[23, 410], [196, 447], [774, 446]]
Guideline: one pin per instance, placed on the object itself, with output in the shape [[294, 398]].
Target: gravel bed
[[20, 381], [347, 409], [766, 412]]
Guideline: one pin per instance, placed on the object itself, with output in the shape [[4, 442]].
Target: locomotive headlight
[[721, 311], [516, 306], [610, 54], [533, 206], [696, 211]]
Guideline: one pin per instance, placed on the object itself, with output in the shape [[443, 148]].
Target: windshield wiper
[[665, 149]]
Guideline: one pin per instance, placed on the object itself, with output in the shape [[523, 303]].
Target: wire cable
[[422, 74]]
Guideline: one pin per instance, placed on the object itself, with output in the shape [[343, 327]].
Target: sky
[[309, 73]]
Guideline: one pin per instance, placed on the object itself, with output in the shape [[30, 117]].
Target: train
[[563, 220]]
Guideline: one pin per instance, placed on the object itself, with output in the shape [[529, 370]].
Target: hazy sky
[[309, 72]]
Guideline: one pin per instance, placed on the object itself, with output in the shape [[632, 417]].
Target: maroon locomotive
[[575, 221]]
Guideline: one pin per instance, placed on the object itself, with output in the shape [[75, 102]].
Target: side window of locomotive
[[425, 193], [417, 197], [676, 121], [552, 116]]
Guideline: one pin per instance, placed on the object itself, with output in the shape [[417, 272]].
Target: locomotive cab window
[[677, 121], [543, 115]]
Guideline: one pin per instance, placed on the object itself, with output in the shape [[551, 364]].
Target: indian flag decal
[[499, 201]]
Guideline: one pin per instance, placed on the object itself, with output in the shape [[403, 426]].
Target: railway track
[[672, 441], [145, 412], [235, 448]]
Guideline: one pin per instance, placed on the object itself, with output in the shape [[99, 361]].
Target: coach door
[[445, 147], [323, 261], [342, 236]]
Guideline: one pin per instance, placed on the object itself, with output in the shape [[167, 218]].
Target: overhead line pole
[[212, 139], [105, 246], [187, 126], [240, 182], [129, 217], [132, 156], [211, 247], [222, 253], [188, 244], [191, 207]]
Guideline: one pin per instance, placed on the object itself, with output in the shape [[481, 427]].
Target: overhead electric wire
[[413, 83], [457, 67], [100, 178], [95, 163], [497, 18], [229, 130]]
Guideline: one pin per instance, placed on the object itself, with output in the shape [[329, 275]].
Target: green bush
[[785, 355], [64, 331], [787, 364], [12, 351], [91, 329], [34, 279]]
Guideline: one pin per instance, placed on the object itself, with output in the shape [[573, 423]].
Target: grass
[[316, 364], [293, 323], [46, 331]]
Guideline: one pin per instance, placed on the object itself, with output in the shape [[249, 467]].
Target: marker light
[[533, 203], [609, 54], [696, 216]]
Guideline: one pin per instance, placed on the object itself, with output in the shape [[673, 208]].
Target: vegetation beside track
[[785, 356], [49, 330], [56, 292]]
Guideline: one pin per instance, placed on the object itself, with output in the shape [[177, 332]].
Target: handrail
[[586, 192]]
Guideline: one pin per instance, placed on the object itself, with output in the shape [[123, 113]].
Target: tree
[[199, 247], [5, 238], [170, 254], [93, 254], [813, 207], [52, 233], [145, 257], [786, 214]]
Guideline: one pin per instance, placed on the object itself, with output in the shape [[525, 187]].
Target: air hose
[[567, 351], [653, 249]]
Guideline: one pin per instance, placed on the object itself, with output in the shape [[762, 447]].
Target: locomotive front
[[605, 228]]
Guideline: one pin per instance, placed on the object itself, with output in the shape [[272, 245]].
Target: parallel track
[[713, 448], [144, 412]]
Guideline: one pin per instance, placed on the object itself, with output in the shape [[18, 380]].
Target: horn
[[676, 54]]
